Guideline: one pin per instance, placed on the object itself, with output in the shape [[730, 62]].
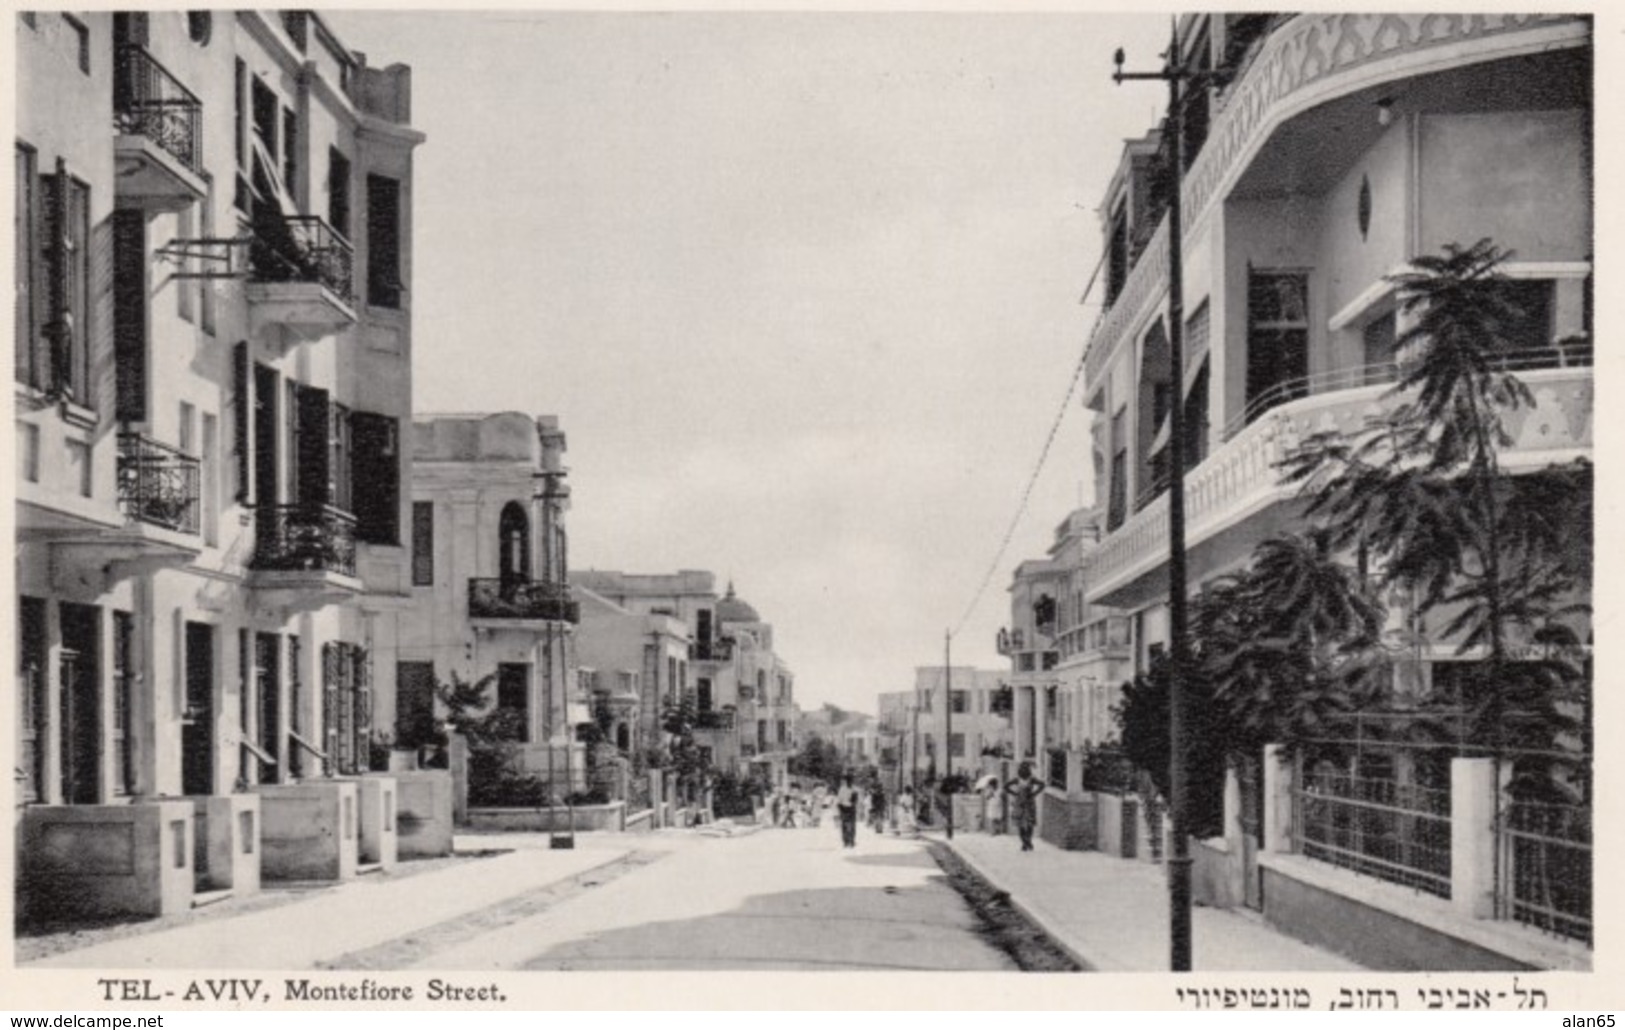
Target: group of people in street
[[1011, 804]]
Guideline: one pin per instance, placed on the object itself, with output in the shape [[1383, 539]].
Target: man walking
[[1024, 791], [846, 803]]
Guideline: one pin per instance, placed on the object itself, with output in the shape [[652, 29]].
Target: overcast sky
[[803, 290]]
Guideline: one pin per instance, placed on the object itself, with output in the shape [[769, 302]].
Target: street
[[673, 899], [771, 900]]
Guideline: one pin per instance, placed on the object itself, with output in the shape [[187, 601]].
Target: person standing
[[877, 806], [1024, 791], [846, 803]]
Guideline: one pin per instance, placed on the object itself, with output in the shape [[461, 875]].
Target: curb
[[1051, 931]]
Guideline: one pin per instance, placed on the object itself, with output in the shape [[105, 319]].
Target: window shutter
[[130, 313], [311, 477], [422, 543], [242, 423], [375, 477]]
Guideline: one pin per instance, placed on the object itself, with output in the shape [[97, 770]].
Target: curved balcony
[[1231, 490], [1305, 61]]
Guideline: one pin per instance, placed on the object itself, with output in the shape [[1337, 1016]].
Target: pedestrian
[[877, 806], [995, 807], [1024, 791], [819, 799], [907, 819], [846, 804], [778, 805]]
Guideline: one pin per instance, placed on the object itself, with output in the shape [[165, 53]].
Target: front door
[[80, 671], [197, 725], [267, 691]]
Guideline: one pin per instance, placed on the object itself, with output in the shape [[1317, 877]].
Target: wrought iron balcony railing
[[157, 484], [302, 249], [150, 102], [521, 599], [720, 650], [303, 538]]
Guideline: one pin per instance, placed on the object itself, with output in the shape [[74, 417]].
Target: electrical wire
[[1038, 468]]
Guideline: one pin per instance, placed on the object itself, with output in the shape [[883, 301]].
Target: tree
[[1420, 488], [1142, 721], [818, 760]]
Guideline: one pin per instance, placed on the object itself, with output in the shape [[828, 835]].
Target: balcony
[[1299, 63], [157, 484], [1228, 494], [304, 556], [719, 650], [301, 276], [510, 600], [158, 148]]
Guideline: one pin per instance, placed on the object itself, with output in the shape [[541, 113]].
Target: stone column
[[1473, 796], [1278, 785]]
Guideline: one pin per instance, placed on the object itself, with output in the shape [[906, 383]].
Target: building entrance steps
[[1111, 914], [346, 917]]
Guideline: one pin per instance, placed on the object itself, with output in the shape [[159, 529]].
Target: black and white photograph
[[513, 492]]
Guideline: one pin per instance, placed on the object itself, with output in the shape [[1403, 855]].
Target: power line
[[1032, 480]]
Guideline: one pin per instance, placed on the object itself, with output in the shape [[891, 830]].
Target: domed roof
[[732, 609]]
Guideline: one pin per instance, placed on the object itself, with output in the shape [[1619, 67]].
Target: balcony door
[[514, 556], [513, 695], [268, 694], [1277, 339], [197, 725], [266, 492]]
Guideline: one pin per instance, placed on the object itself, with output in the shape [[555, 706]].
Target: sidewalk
[[1111, 914], [353, 915]]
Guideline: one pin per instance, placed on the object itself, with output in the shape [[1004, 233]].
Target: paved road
[[772, 900]]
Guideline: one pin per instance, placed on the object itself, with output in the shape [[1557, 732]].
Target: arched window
[[515, 533]]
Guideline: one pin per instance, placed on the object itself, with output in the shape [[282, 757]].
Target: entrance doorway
[[197, 723], [80, 672], [267, 691]]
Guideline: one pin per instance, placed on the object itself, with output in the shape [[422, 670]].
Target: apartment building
[[917, 722], [1321, 154], [490, 594], [213, 364], [743, 692]]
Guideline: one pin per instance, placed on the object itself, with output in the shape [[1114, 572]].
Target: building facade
[[1321, 154], [743, 693], [213, 368], [915, 723], [490, 592]]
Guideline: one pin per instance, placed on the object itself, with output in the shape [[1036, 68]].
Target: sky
[[804, 291]]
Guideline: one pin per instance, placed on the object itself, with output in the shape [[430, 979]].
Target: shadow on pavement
[[920, 859], [914, 928]]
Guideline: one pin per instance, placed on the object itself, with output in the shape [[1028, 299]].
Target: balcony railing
[[150, 102], [302, 538], [721, 650], [157, 484], [521, 599], [302, 249]]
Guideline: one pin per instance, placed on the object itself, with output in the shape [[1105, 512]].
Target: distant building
[[490, 594], [914, 722]]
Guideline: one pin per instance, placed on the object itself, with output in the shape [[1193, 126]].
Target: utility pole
[[948, 725], [1179, 862]]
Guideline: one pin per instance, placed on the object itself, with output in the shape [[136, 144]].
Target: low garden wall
[[610, 817]]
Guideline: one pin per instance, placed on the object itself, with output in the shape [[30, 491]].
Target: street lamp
[[1179, 862]]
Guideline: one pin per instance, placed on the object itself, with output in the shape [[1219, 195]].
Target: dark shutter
[[375, 477], [311, 475], [422, 543], [130, 313], [242, 423]]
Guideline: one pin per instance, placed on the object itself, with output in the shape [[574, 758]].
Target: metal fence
[[1544, 855], [1377, 823]]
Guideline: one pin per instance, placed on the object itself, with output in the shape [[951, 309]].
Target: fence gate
[[1251, 775]]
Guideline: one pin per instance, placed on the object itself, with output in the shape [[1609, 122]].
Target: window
[[31, 658], [67, 326], [513, 695], [290, 150], [313, 478], [82, 36], [338, 463], [376, 477], [242, 422], [29, 435], [297, 25], [513, 531], [422, 543], [702, 689], [961, 702], [25, 269], [383, 242], [1117, 255], [1117, 503], [211, 479], [130, 332], [199, 27], [1277, 340], [338, 191], [186, 437], [1531, 301], [956, 745]]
